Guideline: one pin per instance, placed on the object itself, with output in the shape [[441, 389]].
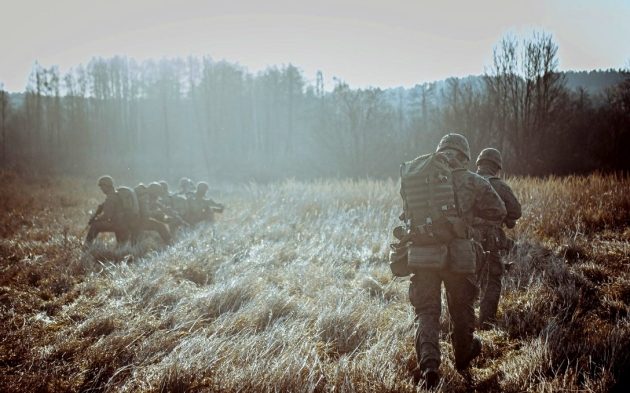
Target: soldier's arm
[[98, 211], [172, 213], [512, 205], [108, 209], [488, 204]]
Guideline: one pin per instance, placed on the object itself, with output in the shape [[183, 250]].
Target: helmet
[[106, 181], [164, 186], [492, 155], [454, 141], [184, 182], [140, 189], [202, 186], [154, 189]]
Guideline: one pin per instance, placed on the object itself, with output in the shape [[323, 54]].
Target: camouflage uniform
[[146, 220], [475, 197], [491, 235], [109, 215], [202, 208]]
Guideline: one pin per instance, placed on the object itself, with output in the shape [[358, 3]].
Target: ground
[[290, 290]]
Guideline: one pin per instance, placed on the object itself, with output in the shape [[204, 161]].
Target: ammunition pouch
[[462, 256], [441, 231], [427, 257]]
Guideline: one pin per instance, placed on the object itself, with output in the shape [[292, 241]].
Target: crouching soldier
[[491, 235], [145, 220], [109, 216], [202, 208]]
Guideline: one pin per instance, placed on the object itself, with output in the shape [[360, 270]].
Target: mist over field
[[211, 119], [286, 285]]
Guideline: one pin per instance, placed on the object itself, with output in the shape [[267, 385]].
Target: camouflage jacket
[[111, 209], [512, 205], [475, 197]]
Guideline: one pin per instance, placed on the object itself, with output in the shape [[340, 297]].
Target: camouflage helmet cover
[[184, 182], [492, 155], [454, 141], [154, 189], [106, 181], [140, 189]]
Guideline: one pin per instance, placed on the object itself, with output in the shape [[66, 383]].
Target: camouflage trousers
[[425, 296], [151, 224], [122, 233], [492, 274]]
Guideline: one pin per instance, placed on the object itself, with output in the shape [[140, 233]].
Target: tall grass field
[[290, 290]]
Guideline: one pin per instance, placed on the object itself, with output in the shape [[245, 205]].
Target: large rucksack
[[129, 203], [430, 212], [429, 205]]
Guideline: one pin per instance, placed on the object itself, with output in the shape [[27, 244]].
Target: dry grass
[[290, 291]]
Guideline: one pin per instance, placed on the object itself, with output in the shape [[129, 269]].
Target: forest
[[214, 119]]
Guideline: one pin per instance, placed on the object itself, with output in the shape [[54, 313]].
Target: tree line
[[196, 116]]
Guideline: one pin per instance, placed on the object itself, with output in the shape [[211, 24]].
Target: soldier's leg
[[461, 291], [123, 234], [159, 227], [96, 228], [492, 291], [425, 297]]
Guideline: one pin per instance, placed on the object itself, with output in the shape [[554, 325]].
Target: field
[[291, 291]]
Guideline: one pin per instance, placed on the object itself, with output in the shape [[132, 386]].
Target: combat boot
[[475, 350], [429, 373]]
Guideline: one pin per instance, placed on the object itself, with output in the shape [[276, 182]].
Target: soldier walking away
[[440, 199], [109, 216], [202, 208], [492, 236]]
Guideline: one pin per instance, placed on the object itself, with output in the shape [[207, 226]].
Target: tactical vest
[[436, 233], [429, 202]]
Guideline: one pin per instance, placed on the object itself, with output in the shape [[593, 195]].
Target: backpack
[[429, 205], [430, 211], [129, 202]]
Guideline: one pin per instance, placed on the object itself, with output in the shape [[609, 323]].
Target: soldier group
[[128, 212], [453, 234], [455, 239]]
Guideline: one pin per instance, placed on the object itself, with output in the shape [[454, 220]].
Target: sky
[[384, 43]]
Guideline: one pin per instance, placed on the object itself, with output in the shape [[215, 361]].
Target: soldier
[[492, 237], [200, 208], [109, 215], [147, 198], [186, 187], [473, 195], [165, 191]]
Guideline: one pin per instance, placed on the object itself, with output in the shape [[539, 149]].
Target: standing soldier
[[440, 200], [491, 235], [109, 215]]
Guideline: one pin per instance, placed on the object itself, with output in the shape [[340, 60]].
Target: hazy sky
[[364, 42]]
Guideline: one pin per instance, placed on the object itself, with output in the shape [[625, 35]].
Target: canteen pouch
[[427, 257], [398, 260], [462, 256]]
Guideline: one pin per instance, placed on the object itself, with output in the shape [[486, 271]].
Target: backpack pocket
[[427, 257], [462, 256]]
